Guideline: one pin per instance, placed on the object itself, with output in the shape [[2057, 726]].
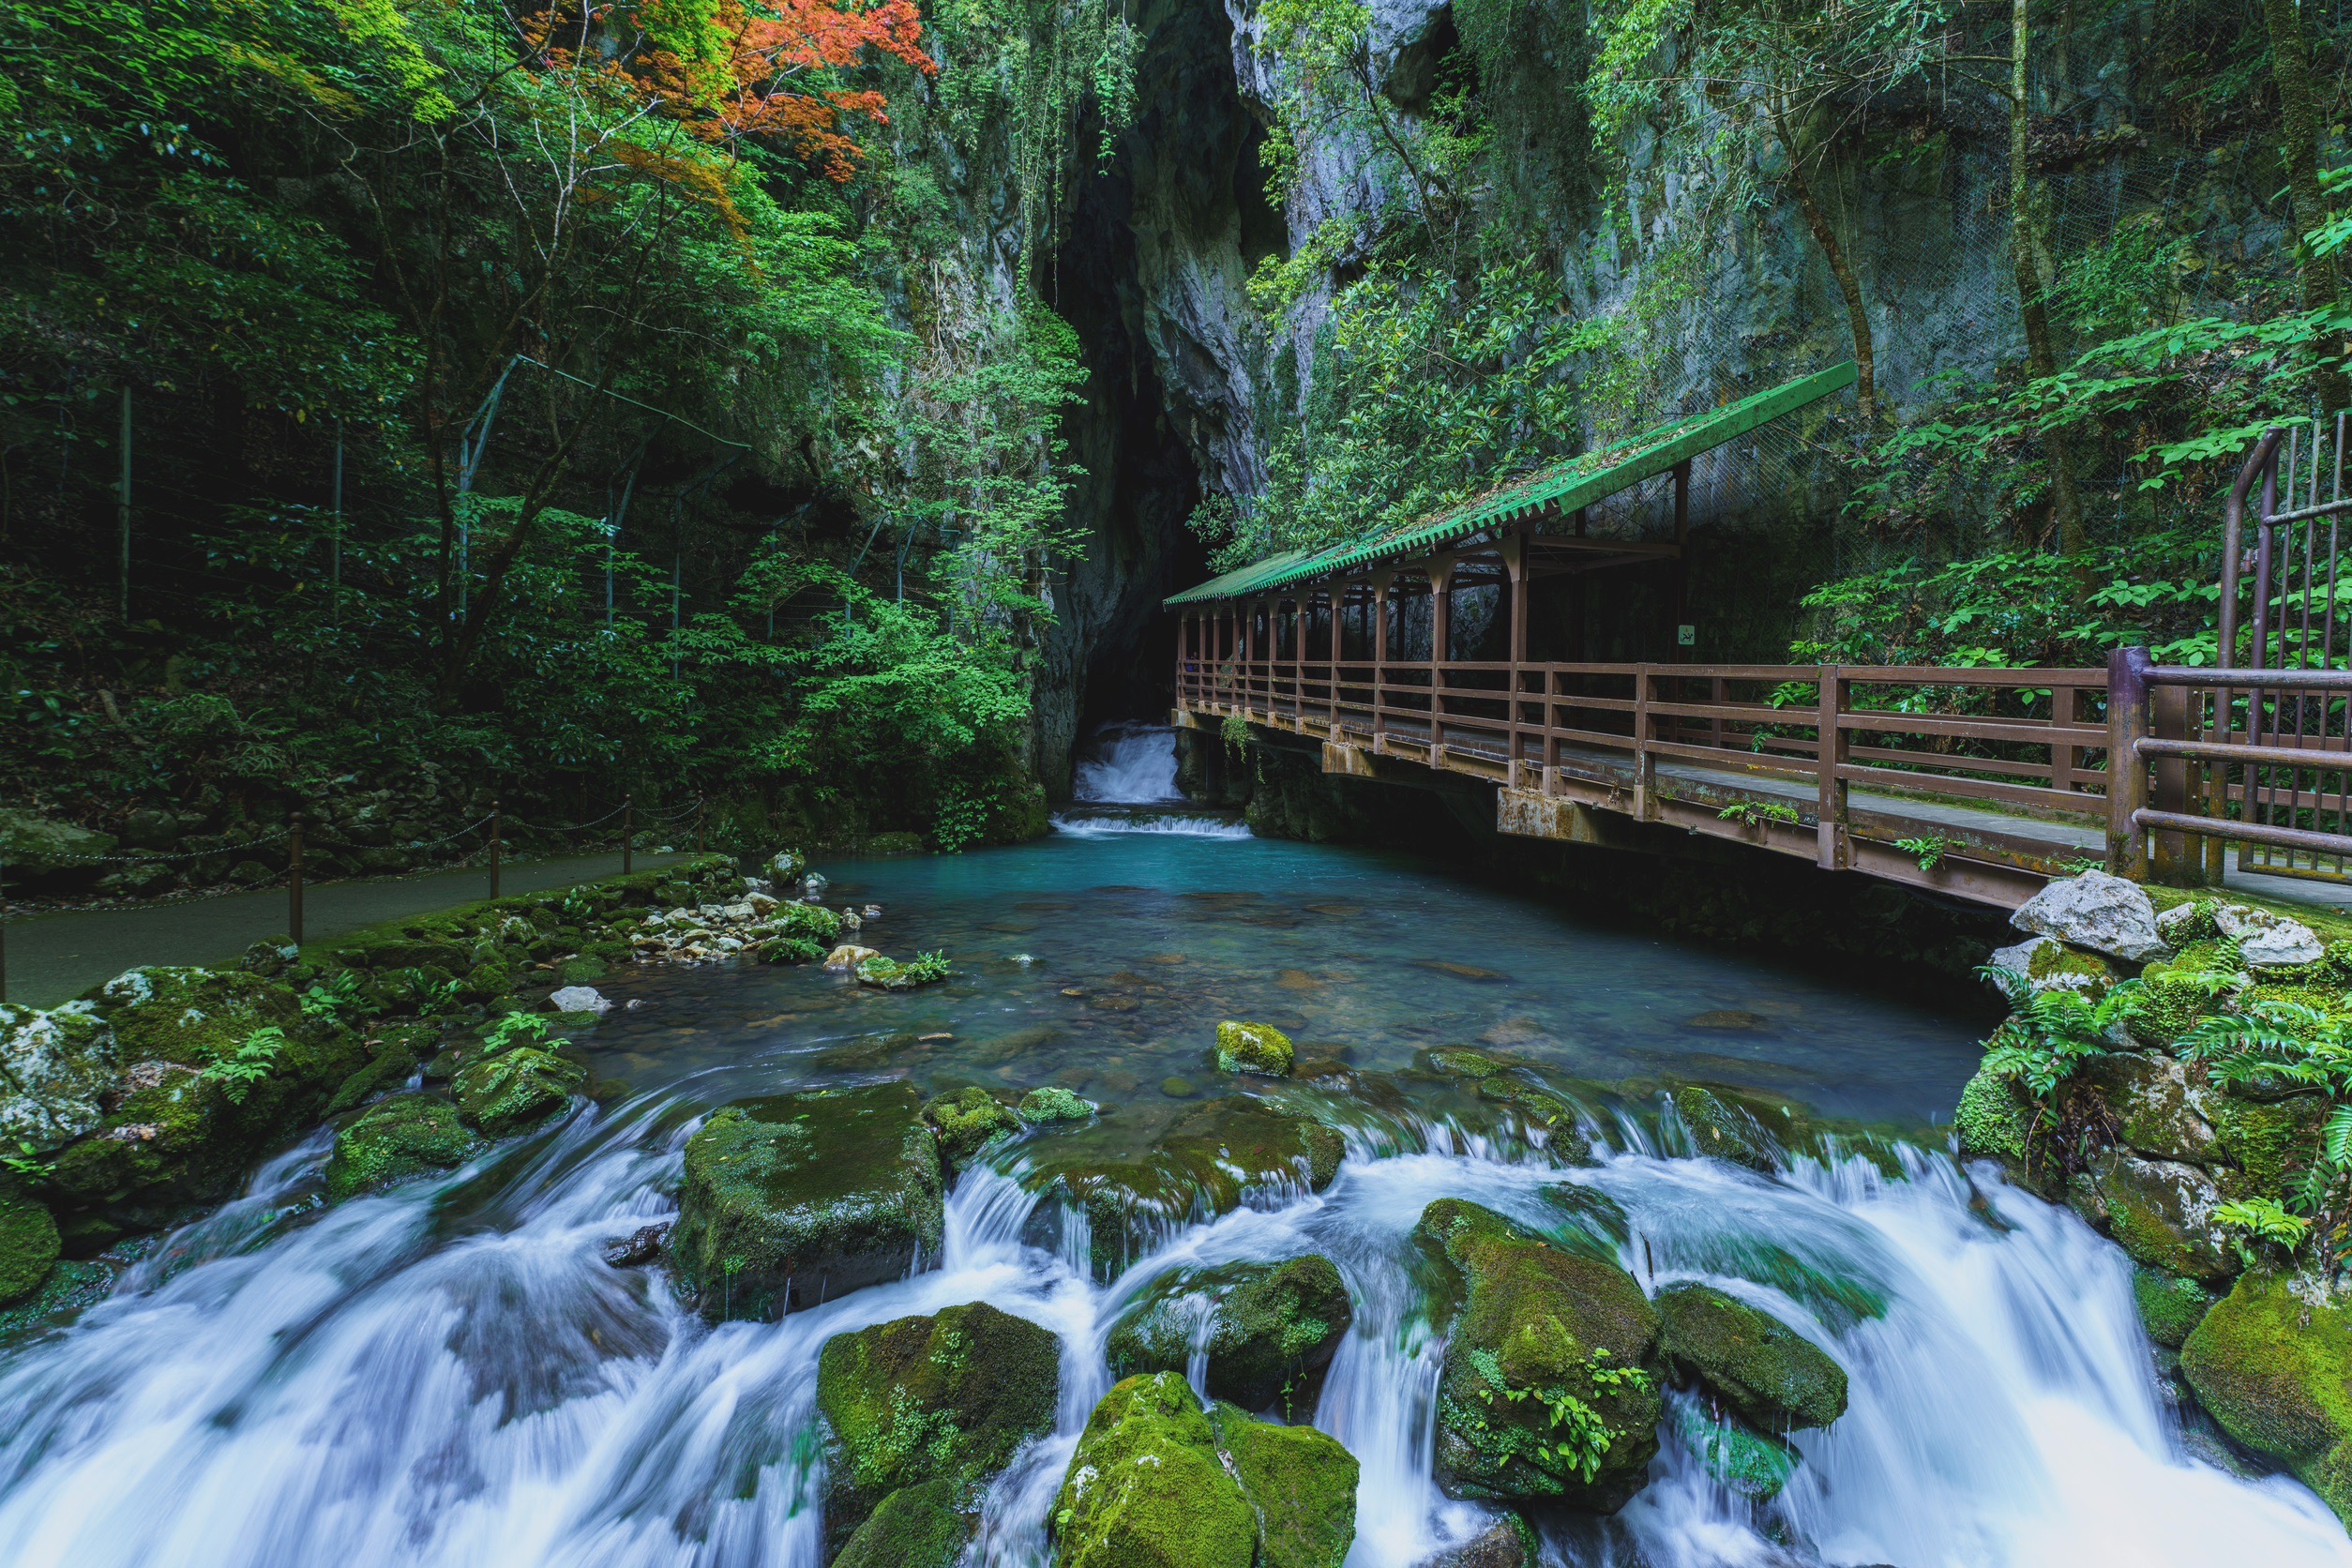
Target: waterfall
[[449, 1373], [1132, 764]]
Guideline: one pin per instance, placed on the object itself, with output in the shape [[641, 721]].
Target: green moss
[[1254, 1048], [1273, 1329], [915, 1527], [895, 843], [790, 950], [945, 1398], [71, 1285], [519, 1088], [2170, 1307], [968, 1121], [1557, 1115], [1464, 1062], [1055, 1105], [811, 1195], [807, 922], [1723, 1128], [1299, 1483], [1994, 1121], [190, 1016], [2268, 1141], [1147, 1488], [396, 1060], [1549, 1390], [1769, 1374], [2161, 1214], [408, 1136], [2276, 1372], [1745, 1461], [28, 1242], [581, 970]]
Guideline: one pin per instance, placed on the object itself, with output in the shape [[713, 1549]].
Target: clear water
[[447, 1374]]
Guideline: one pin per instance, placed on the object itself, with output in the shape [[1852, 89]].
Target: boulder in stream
[[515, 1088], [1254, 1048], [1550, 1386], [946, 1398], [1724, 1128], [968, 1121], [404, 1137], [2273, 1365], [1270, 1331], [799, 1198], [1769, 1375], [1157, 1482], [915, 1527], [2159, 1212], [2102, 912], [1747, 1462], [1508, 1543]]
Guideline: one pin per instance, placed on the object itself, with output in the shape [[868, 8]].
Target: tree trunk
[[2030, 252], [2299, 130], [1857, 319]]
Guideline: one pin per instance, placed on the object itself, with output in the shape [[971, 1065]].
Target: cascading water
[[450, 1374], [1125, 782]]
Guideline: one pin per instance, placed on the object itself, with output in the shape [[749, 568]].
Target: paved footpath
[[55, 957]]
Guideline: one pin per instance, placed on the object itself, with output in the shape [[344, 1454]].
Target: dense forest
[[800, 408]]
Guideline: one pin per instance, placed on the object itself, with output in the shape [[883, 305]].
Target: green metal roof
[[1560, 488]]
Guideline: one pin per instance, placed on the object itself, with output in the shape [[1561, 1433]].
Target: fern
[[249, 1064]]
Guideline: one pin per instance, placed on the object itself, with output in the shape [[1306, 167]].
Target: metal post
[[122, 513], [2126, 775], [1831, 750], [629, 832], [293, 878], [497, 825]]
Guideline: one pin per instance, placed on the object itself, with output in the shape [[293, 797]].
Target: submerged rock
[[915, 1527], [1769, 1374], [2105, 913], [1254, 1048], [2275, 1369], [1549, 1391], [968, 1121], [1745, 1461], [1159, 1483], [799, 1198], [1055, 1105], [1269, 1329], [404, 1137], [1721, 1127], [927, 1400]]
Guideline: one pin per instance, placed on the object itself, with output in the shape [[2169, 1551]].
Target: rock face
[[29, 1242], [2276, 1372], [1767, 1374], [2106, 915], [800, 1197], [1254, 1048], [2268, 940], [1269, 1329], [55, 1066], [409, 1135], [1159, 1483], [1550, 1387], [931, 1402], [51, 852], [2160, 1211]]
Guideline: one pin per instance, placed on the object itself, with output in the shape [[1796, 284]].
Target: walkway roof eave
[[1562, 488]]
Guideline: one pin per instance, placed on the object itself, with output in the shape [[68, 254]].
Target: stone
[[1268, 1330], [798, 1198], [1508, 1543], [2050, 965], [29, 1244], [2273, 1366], [2158, 1112], [1721, 1127], [148, 828], [1177, 1088], [915, 1527], [403, 1137], [968, 1121], [55, 1068], [1767, 1373], [813, 885], [1055, 1105], [41, 849], [849, 958], [2268, 941], [579, 999], [1254, 1048], [1156, 1482], [637, 1248], [2159, 1212], [2102, 912], [1549, 1391], [515, 1090], [786, 867], [2186, 923], [1747, 1463], [942, 1398], [2170, 1307]]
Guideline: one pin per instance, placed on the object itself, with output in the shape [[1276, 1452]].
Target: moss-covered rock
[[1558, 1117], [2170, 1307], [1159, 1483], [945, 1398], [1508, 1543], [2160, 1211], [1769, 1374], [1254, 1048], [29, 1244], [2275, 1370], [512, 1090], [968, 1121], [1270, 1331], [1054, 1104], [407, 1136], [803, 1197], [1465, 1062], [1723, 1128], [1994, 1122], [1549, 1390], [1747, 1462], [190, 1016], [2158, 1111], [56, 1068], [2267, 1139], [400, 1052], [915, 1527]]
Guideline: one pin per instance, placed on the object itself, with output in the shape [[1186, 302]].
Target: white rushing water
[[449, 1374], [1129, 763]]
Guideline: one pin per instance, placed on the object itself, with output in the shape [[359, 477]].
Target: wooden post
[[2126, 775], [1834, 851], [1515, 567], [1338, 593], [1441, 647], [293, 878], [497, 826], [1645, 760], [628, 832], [2174, 859], [1380, 585]]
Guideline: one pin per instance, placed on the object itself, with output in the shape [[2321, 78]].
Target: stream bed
[[450, 1373]]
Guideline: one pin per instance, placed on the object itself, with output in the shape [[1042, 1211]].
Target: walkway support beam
[[2128, 724]]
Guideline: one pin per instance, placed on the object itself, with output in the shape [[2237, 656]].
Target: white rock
[[737, 912], [849, 956], [635, 1002], [580, 999], [57, 1066], [2268, 940], [2106, 915], [871, 911], [761, 903], [813, 887], [730, 944], [2173, 924], [2020, 956]]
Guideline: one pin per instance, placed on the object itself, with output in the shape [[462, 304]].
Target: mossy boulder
[[1054, 1104], [2159, 1212], [397, 1055], [1554, 1114], [2274, 1368], [405, 1137], [915, 1527], [1254, 1048], [190, 1016], [56, 1068], [944, 1398], [1767, 1374], [29, 1242], [1550, 1389], [1747, 1462], [2170, 1307], [1508, 1543], [1724, 1129], [797, 1199], [44, 850], [1995, 1121], [2268, 1140], [1157, 1482], [968, 1121], [2158, 1111], [1270, 1331], [516, 1089]]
